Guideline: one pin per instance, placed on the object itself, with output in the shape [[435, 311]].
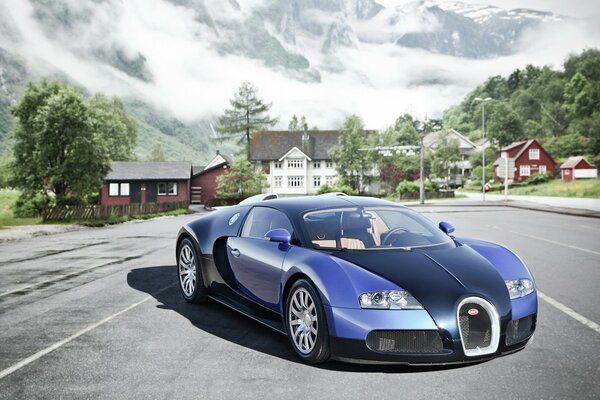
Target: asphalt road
[[97, 314]]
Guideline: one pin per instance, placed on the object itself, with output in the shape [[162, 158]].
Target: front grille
[[405, 342], [475, 326], [519, 330]]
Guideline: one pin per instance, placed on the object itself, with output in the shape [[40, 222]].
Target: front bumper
[[349, 329]]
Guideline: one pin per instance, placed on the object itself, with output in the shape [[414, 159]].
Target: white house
[[466, 146], [296, 163]]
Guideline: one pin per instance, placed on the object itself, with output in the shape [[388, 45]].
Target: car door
[[255, 261]]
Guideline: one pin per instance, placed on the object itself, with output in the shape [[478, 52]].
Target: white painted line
[[570, 312], [57, 345], [557, 243]]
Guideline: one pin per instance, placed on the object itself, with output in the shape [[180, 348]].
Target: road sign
[[502, 168]]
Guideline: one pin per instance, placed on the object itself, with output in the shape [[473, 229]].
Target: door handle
[[235, 253]]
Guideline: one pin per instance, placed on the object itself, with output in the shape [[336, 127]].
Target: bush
[[429, 186], [336, 188], [28, 206], [536, 179], [407, 187]]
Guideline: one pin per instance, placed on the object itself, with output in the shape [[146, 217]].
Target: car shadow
[[161, 283]]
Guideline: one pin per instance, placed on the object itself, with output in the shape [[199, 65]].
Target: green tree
[[240, 181], [116, 128], [5, 169], [351, 163], [503, 124], [157, 153], [446, 154], [56, 148], [248, 113]]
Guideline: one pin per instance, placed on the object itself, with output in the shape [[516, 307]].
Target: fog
[[191, 80]]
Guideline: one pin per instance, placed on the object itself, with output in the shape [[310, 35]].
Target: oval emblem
[[234, 218], [473, 312]]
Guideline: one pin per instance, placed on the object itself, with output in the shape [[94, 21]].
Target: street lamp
[[483, 101]]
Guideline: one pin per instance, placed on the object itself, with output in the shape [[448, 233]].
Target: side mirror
[[446, 227], [279, 235]]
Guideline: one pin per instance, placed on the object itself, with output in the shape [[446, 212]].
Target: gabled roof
[[513, 145], [149, 170], [272, 145], [297, 150], [572, 162], [432, 139]]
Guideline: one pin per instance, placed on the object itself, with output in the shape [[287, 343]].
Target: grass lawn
[[7, 200], [582, 188], [558, 188]]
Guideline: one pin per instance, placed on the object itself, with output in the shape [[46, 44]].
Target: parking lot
[[97, 313]]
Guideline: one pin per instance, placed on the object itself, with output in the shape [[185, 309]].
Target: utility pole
[[422, 174], [483, 101]]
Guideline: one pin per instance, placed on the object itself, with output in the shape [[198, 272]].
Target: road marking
[[557, 243], [570, 312], [74, 336]]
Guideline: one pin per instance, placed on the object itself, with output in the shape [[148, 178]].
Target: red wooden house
[[204, 178], [530, 158], [577, 167], [146, 182]]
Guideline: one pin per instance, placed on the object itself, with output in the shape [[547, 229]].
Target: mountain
[[106, 45]]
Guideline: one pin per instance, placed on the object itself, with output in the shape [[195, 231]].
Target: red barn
[[530, 158], [577, 167], [146, 182], [204, 179]]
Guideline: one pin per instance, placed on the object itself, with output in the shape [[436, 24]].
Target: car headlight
[[389, 299], [518, 288]]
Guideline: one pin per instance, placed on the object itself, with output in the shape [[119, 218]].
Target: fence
[[100, 212]]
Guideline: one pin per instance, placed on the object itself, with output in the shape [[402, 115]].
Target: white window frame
[[296, 181], [543, 169], [317, 181], [534, 154], [329, 180], [170, 189], [116, 189], [295, 163], [316, 164], [525, 170], [277, 180], [329, 164], [277, 165]]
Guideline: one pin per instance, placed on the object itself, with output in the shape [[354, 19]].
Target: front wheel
[[306, 323], [190, 274]]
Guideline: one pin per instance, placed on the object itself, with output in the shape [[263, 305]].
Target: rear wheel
[[190, 274], [306, 323]]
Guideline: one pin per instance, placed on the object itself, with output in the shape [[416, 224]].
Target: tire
[[304, 307], [189, 273]]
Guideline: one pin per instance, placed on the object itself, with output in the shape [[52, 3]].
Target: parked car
[[360, 280]]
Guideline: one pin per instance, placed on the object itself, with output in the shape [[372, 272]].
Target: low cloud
[[192, 80]]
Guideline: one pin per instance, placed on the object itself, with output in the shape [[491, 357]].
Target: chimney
[[305, 142], [218, 152]]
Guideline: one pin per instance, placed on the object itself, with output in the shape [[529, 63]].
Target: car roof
[[297, 205]]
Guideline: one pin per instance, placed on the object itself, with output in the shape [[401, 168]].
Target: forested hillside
[[559, 107]]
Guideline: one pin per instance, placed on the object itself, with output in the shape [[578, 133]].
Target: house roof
[[197, 169], [149, 170], [431, 139], [513, 145], [572, 162], [272, 145]]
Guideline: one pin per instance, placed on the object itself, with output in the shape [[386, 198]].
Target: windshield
[[358, 228]]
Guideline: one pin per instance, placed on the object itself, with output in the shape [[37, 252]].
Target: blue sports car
[[359, 279]]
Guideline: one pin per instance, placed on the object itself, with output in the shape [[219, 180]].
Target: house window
[[329, 180], [277, 165], [295, 163], [277, 181], [167, 189], [534, 154], [524, 170], [118, 189], [542, 169], [317, 164], [329, 164], [295, 181], [316, 181]]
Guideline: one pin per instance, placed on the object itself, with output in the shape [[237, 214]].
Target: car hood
[[438, 278]]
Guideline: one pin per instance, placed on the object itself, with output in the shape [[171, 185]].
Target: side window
[[263, 219]]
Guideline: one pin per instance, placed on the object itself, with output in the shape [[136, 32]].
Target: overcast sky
[[194, 81]]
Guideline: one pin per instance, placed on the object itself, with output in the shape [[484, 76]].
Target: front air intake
[[405, 342], [479, 326]]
